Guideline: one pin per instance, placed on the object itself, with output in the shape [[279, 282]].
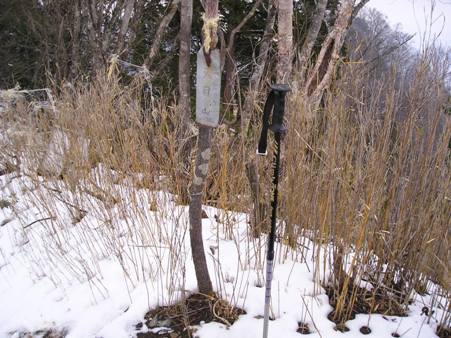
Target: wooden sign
[[208, 89]]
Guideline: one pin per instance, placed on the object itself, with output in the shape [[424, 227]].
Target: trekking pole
[[276, 100]]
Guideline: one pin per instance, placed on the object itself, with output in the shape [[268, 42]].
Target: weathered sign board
[[208, 89]]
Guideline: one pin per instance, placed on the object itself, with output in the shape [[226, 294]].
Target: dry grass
[[369, 173]]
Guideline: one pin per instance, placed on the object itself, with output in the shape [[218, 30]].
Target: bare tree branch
[[329, 53], [172, 9], [357, 8], [236, 30]]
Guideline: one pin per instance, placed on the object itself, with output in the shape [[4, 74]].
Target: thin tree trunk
[[259, 208], [61, 55], [163, 63], [160, 32], [107, 29], [285, 43], [229, 86], [260, 64], [311, 37], [329, 53], [129, 4], [186, 144], [94, 45], [284, 62], [186, 18], [230, 64], [210, 40], [195, 210], [137, 17], [75, 66]]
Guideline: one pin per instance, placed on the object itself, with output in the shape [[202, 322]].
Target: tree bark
[[186, 18], [210, 40], [285, 43]]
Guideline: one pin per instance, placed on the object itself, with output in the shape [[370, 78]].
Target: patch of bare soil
[[443, 332], [303, 328], [7, 168], [360, 300], [177, 321]]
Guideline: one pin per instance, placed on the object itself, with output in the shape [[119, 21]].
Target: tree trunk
[[324, 68], [75, 66], [229, 86], [311, 37], [210, 40], [259, 208], [129, 4], [230, 64], [195, 210], [259, 212], [285, 43], [185, 144], [96, 51], [259, 68], [186, 18]]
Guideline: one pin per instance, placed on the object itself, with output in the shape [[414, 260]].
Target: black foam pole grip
[[263, 142]]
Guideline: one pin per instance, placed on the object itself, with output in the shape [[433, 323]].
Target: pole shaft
[[272, 235], [269, 271]]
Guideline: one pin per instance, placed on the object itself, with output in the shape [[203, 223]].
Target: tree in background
[[186, 18], [75, 39], [285, 41]]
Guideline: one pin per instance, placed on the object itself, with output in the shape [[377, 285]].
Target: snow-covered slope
[[93, 266]]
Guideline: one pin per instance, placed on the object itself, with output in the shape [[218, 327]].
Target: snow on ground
[[93, 267]]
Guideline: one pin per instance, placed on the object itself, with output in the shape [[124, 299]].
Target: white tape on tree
[[208, 89]]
